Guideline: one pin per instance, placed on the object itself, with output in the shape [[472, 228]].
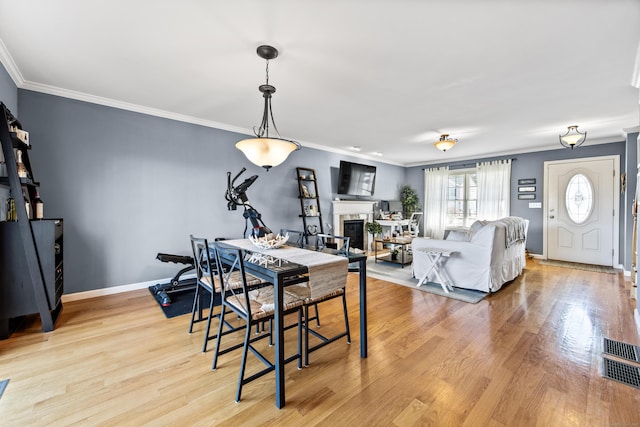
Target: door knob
[[551, 216]]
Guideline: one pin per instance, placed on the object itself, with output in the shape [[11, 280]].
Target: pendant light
[[264, 150], [445, 143], [573, 137]]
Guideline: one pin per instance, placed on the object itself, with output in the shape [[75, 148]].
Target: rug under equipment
[[394, 273], [181, 302]]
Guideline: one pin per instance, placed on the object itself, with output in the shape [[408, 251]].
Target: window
[[579, 198], [462, 198]]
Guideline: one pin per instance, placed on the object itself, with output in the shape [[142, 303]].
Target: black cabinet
[[16, 291]]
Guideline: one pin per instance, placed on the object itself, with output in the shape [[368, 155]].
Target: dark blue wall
[[8, 91], [9, 96], [130, 185], [531, 165]]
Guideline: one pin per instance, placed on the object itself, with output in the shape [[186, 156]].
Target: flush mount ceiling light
[[264, 150], [573, 137], [445, 143]]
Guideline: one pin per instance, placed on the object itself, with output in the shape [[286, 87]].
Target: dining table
[[273, 266]]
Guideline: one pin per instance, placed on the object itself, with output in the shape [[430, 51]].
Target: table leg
[[279, 343], [363, 308], [433, 258]]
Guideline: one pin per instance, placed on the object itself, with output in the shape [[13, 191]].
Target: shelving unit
[[310, 210], [31, 272]]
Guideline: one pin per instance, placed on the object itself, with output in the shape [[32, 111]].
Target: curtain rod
[[468, 165]]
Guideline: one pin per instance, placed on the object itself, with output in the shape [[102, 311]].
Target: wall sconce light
[[264, 150], [573, 137], [445, 143]]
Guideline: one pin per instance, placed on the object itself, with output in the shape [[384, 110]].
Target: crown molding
[[9, 64], [81, 96]]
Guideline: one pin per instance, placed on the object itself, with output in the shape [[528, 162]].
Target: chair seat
[[261, 301], [304, 292], [234, 281]]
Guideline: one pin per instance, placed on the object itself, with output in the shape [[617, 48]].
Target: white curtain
[[436, 185], [494, 189]]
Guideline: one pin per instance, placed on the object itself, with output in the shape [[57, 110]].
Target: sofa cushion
[[458, 236]]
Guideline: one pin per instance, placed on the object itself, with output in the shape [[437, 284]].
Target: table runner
[[326, 272]]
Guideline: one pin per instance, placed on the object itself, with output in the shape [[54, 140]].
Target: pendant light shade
[[267, 152], [264, 150], [573, 137], [445, 143]]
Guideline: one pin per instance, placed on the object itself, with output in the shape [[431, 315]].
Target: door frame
[[615, 260]]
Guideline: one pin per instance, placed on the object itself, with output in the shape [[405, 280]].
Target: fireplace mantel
[[351, 209]]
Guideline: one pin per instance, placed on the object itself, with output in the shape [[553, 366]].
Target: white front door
[[581, 197]]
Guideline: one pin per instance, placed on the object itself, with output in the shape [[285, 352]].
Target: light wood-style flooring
[[529, 355]]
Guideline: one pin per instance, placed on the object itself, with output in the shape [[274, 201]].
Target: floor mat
[[621, 349], [394, 273], [181, 302], [578, 266], [621, 372]]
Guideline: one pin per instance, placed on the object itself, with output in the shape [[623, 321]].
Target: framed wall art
[[527, 189], [530, 196], [526, 181]]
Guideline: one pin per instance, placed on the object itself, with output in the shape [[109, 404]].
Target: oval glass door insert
[[579, 198]]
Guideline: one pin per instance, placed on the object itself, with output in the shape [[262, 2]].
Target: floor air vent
[[621, 372], [622, 350]]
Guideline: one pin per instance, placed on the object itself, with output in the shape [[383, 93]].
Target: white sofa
[[487, 256]]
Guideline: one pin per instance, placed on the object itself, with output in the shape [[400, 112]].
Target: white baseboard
[[118, 289]]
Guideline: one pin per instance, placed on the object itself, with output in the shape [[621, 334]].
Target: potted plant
[[374, 228], [394, 254], [409, 199]]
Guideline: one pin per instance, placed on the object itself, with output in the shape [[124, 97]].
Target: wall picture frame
[[526, 181], [531, 189], [527, 196]]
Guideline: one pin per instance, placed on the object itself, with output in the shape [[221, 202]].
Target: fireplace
[[346, 211], [354, 229]]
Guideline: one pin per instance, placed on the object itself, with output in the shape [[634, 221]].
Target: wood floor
[[528, 355]]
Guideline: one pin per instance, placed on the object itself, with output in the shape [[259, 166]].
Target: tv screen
[[355, 179]]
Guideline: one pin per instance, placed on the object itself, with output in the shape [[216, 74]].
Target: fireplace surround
[[352, 210]]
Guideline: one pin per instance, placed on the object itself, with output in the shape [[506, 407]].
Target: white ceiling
[[501, 76]]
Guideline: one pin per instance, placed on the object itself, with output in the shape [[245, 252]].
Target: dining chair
[[414, 224], [253, 306], [316, 293], [208, 281], [296, 238]]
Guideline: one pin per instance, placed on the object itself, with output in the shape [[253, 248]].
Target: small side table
[[438, 257], [405, 256]]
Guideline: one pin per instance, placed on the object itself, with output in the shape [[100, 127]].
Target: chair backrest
[[231, 265], [296, 238], [414, 223], [341, 243], [205, 264]]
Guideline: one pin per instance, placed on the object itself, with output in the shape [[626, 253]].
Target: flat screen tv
[[355, 179]]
